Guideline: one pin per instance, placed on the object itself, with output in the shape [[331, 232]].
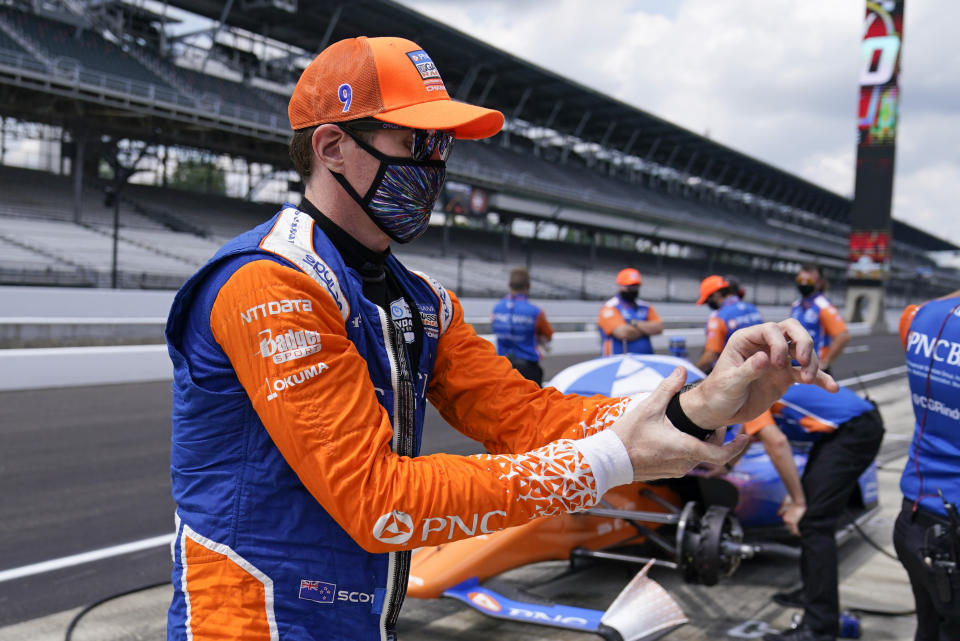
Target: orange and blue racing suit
[[616, 312], [820, 318], [732, 315], [297, 420]]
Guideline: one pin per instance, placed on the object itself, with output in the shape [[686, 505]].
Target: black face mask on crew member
[[629, 295], [713, 304], [805, 290]]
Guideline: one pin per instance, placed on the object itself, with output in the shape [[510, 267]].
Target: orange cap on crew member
[[628, 277], [710, 285], [390, 79]]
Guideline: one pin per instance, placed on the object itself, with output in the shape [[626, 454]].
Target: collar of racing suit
[[370, 264], [379, 285]]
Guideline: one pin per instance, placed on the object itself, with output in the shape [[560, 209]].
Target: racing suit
[[298, 409], [926, 540], [616, 312], [820, 318], [732, 315], [519, 326], [846, 431]]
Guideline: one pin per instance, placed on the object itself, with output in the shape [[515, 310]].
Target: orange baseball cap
[[390, 79], [628, 277], [710, 285]]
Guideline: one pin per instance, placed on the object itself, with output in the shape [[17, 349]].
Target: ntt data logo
[[393, 527]]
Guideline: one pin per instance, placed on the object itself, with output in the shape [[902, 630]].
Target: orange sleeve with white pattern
[[312, 391], [716, 334]]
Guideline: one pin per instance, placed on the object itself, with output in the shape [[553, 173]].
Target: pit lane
[[87, 468]]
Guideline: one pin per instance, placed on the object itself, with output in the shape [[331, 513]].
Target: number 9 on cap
[[345, 93]]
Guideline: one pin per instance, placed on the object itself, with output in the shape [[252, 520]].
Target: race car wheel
[[720, 533], [688, 541]]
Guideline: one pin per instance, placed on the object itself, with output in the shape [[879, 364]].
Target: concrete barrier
[[74, 366]]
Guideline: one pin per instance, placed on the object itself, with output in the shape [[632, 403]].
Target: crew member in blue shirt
[[521, 327], [819, 316], [729, 314], [846, 431], [927, 532], [626, 323]]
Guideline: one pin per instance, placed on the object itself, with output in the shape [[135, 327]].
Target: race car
[[702, 527]]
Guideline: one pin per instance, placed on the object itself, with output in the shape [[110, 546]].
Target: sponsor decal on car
[[484, 601]]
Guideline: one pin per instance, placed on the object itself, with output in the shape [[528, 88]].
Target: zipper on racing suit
[[404, 426]]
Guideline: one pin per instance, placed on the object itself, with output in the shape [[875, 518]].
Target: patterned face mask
[[402, 194]]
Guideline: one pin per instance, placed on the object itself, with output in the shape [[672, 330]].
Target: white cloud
[[776, 79]]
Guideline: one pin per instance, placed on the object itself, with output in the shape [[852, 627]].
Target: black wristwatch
[[680, 420]]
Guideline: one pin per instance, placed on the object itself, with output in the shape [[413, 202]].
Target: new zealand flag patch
[[317, 591]]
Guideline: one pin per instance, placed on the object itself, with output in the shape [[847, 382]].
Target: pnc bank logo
[[484, 601], [393, 527]]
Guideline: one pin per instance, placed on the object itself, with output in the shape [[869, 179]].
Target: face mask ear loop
[[347, 187]]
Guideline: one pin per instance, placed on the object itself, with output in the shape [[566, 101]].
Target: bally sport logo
[[290, 345]]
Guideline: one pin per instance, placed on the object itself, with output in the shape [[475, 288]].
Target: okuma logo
[[393, 527]]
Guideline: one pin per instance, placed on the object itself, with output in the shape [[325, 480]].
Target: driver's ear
[[327, 142]]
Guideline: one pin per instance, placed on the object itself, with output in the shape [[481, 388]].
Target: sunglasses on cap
[[423, 143]]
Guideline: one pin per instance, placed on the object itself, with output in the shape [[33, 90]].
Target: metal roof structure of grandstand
[[475, 71], [183, 106]]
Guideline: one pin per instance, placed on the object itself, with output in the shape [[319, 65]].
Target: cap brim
[[466, 121], [703, 297]]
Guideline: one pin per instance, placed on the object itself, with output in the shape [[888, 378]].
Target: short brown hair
[[519, 279], [301, 151]]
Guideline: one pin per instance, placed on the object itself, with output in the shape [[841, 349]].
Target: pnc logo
[[393, 527], [484, 601]]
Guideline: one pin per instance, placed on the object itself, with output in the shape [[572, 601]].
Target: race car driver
[[626, 323], [819, 316], [926, 534], [304, 354]]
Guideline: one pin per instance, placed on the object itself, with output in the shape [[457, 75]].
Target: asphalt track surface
[[85, 468]]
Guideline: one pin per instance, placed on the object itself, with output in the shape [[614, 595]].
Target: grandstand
[[596, 184]]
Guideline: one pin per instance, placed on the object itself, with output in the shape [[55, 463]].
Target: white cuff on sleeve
[[607, 457]]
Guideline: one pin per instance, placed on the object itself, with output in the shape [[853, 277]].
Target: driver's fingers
[[802, 347], [820, 379], [719, 454], [659, 398]]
